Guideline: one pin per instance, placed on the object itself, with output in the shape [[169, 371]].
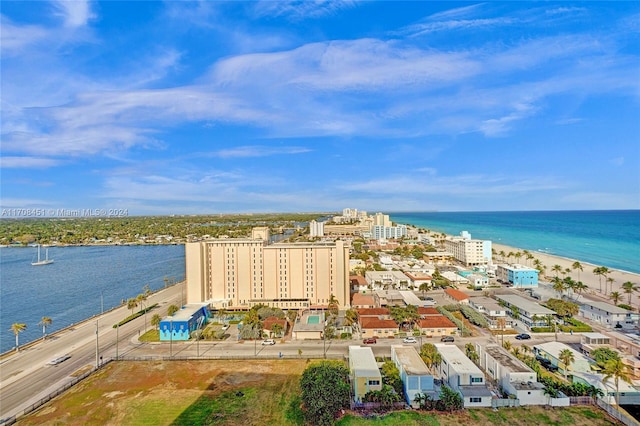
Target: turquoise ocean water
[[603, 238]]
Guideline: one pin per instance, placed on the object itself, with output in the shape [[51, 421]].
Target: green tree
[[615, 296], [567, 358], [18, 328], [430, 355], [424, 287], [601, 271], [602, 355], [325, 391], [471, 353], [556, 268], [629, 288], [391, 376], [351, 319], [45, 322], [617, 370], [450, 399], [577, 266], [277, 329], [155, 321], [172, 309], [132, 304]]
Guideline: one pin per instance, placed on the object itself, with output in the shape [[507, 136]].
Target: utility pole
[[97, 348], [117, 335], [101, 303]]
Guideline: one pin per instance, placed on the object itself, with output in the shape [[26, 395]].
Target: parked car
[[523, 336], [369, 341], [268, 342], [58, 360], [409, 340], [447, 339]]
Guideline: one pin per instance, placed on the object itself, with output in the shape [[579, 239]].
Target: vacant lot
[[242, 393]]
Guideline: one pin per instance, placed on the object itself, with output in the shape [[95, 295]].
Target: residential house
[[551, 351], [380, 313], [416, 377], [456, 296], [375, 327], [436, 326], [358, 283], [384, 280], [272, 323], [463, 376], [608, 315], [513, 375], [417, 278], [525, 311], [629, 394], [364, 372], [364, 300], [492, 310]]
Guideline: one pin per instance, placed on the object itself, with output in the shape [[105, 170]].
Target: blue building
[[519, 276], [182, 323]]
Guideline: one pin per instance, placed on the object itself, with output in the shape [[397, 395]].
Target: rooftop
[[409, 358], [457, 360], [525, 305], [456, 294], [506, 360], [607, 307], [363, 362]]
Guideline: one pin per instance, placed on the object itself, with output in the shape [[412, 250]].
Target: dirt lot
[[178, 393]]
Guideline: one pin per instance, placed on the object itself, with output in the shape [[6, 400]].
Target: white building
[[551, 351], [513, 375], [414, 373], [380, 232], [491, 309], [316, 229], [463, 376], [468, 251], [608, 315], [386, 279], [526, 310]]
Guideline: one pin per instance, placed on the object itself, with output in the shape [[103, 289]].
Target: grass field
[[245, 393]]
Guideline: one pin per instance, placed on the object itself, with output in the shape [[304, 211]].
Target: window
[[476, 380], [374, 382], [475, 399]]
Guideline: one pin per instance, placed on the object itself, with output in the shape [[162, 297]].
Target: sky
[[178, 107]]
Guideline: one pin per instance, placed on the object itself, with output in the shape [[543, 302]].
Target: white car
[[268, 342], [409, 340], [58, 360]]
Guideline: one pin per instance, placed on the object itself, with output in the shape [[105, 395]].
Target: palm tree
[[567, 358], [629, 288], [577, 266], [617, 370], [351, 318], [615, 296], [502, 323], [600, 271], [18, 328], [610, 281], [424, 287], [45, 322], [132, 304], [558, 285], [277, 330], [579, 288], [556, 269], [155, 320]]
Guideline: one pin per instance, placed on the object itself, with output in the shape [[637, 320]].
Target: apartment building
[[519, 276], [463, 376], [469, 251], [243, 272]]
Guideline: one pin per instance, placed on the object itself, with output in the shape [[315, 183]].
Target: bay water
[[79, 282], [603, 238]]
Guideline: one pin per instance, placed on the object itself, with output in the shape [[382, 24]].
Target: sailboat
[[44, 261]]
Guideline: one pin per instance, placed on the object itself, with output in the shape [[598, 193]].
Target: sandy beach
[[587, 276]]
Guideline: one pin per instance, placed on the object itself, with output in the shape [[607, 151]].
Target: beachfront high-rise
[[469, 251], [243, 272]]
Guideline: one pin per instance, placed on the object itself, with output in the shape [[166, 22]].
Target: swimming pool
[[313, 319]]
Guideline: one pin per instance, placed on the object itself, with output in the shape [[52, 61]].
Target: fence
[[373, 406], [617, 414], [581, 400], [505, 402]]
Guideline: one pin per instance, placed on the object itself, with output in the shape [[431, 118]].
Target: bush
[[474, 316], [346, 336]]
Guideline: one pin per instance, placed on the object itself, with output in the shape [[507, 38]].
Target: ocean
[[603, 238], [79, 282]]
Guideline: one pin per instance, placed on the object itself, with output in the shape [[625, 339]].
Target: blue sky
[[214, 107]]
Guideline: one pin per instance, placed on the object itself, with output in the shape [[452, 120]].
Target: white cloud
[[258, 151], [10, 162], [74, 13]]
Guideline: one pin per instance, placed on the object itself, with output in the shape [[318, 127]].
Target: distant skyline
[[272, 106]]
